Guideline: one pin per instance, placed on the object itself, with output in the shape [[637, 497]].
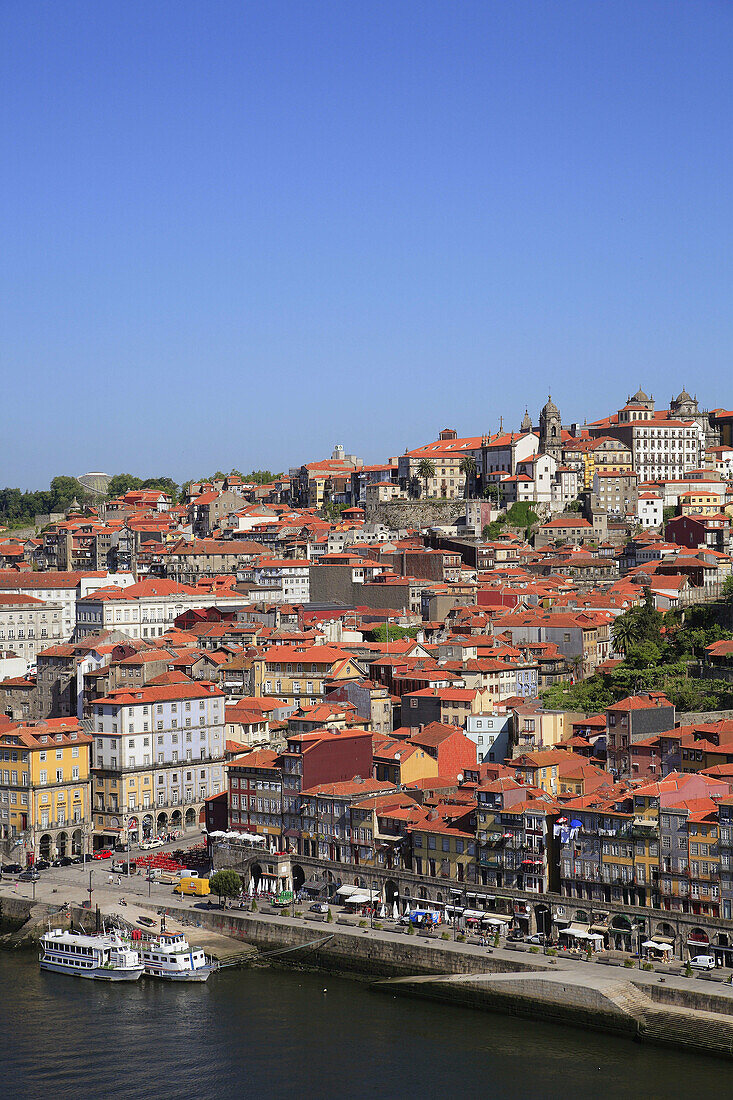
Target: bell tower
[[551, 430]]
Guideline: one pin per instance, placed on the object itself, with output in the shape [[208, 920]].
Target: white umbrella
[[251, 887], [395, 911]]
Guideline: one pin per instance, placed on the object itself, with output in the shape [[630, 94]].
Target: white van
[[703, 962]]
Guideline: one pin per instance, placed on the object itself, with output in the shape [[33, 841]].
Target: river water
[[271, 1033]]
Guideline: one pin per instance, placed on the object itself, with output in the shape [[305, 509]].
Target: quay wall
[[455, 973], [351, 951], [571, 1004]]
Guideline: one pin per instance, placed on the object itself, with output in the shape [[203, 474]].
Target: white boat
[[171, 956], [105, 957]]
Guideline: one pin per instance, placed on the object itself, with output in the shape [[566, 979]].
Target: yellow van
[[194, 887]]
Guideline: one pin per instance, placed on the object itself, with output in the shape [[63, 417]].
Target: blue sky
[[233, 234]]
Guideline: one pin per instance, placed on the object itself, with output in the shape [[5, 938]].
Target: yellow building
[[402, 763], [44, 788], [699, 503], [297, 674]]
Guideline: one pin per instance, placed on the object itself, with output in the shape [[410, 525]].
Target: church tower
[[551, 430]]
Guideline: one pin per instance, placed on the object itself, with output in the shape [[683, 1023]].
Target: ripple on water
[[267, 1032]]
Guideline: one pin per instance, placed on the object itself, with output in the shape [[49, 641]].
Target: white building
[[501, 453], [285, 580], [28, 625], [650, 510], [63, 588], [146, 609], [158, 755]]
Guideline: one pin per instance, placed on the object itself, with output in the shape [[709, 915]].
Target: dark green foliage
[[662, 653], [520, 514], [123, 483], [225, 884], [19, 509], [379, 634]]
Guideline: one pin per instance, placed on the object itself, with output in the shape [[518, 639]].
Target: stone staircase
[[694, 1030], [630, 1000]]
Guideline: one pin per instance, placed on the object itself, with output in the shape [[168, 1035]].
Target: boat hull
[[100, 974], [200, 975]]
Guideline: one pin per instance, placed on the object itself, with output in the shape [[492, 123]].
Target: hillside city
[[494, 672]]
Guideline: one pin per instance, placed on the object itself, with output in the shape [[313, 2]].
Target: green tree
[[468, 469], [120, 484], [492, 491], [379, 634], [426, 470], [66, 488], [225, 884], [163, 485]]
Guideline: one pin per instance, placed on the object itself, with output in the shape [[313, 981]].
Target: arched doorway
[[620, 932], [255, 874], [723, 949], [543, 920], [148, 826], [61, 842], [190, 817], [392, 898], [162, 822], [176, 819], [698, 942], [44, 846], [298, 877], [76, 842]]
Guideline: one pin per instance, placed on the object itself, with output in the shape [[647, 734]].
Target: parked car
[[318, 907], [12, 869], [103, 853], [28, 876], [147, 845], [42, 865], [537, 938], [65, 861], [515, 935], [703, 962]]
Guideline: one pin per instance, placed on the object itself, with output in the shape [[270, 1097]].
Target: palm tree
[[468, 469], [625, 633], [426, 470]]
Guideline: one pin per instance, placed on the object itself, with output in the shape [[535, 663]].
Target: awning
[[496, 922], [600, 927], [473, 914], [345, 891], [652, 944], [361, 898], [579, 931], [698, 943], [314, 883]]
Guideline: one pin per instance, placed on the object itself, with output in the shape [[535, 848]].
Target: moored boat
[[170, 956], [104, 957]]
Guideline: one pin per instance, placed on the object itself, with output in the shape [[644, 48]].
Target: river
[[272, 1033]]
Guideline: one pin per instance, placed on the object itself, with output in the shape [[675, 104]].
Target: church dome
[[639, 396], [550, 408], [683, 398]]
